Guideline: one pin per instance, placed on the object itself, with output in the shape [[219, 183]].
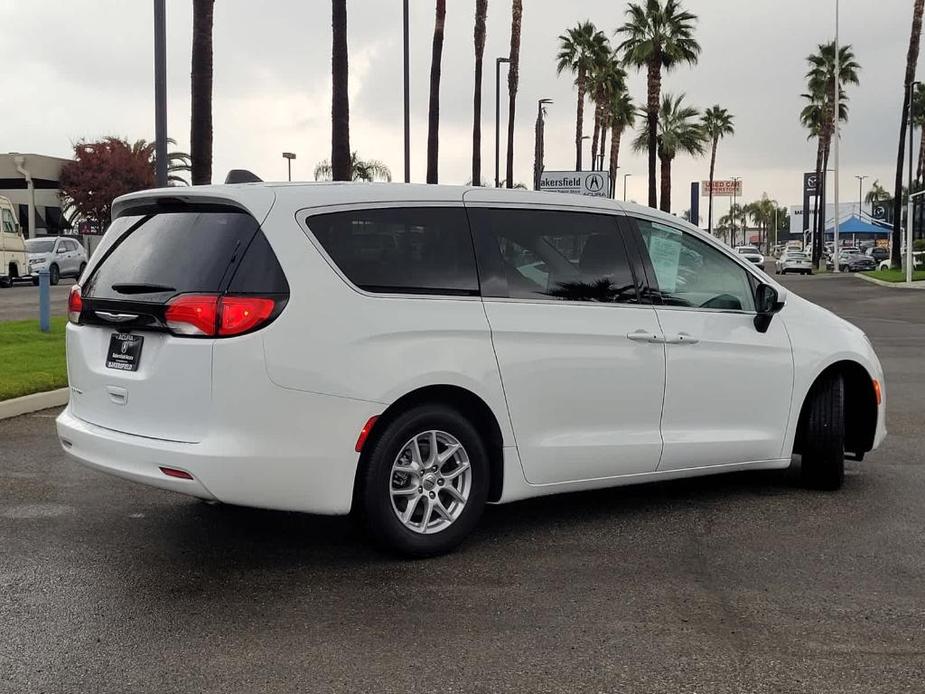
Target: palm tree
[[679, 131], [762, 213], [877, 193], [513, 77], [717, 123], [728, 222], [607, 77], [360, 170], [201, 93], [433, 116], [912, 59], [622, 115], [481, 10], [340, 102], [580, 49], [657, 36]]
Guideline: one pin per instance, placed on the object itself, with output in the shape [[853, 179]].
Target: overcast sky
[[83, 68]]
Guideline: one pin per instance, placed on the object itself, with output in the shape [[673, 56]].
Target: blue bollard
[[44, 301]]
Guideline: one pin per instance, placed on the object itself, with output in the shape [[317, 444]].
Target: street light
[[289, 156], [498, 62], [540, 144], [625, 176], [860, 193]]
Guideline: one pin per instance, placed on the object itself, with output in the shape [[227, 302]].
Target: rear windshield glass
[[169, 253]]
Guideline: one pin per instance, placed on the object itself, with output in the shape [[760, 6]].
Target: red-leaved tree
[[102, 171]]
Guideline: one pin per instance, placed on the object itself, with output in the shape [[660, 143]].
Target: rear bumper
[[304, 462]]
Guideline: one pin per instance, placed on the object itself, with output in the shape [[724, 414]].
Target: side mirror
[[767, 302]]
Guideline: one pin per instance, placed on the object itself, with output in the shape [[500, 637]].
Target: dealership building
[[32, 183]]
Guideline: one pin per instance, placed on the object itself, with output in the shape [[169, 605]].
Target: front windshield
[[40, 245]]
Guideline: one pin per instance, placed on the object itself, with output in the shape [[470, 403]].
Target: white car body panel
[[273, 421]]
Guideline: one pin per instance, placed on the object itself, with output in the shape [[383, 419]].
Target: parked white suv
[[61, 256], [409, 353]]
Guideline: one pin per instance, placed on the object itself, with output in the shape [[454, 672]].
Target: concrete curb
[[33, 403], [918, 284]]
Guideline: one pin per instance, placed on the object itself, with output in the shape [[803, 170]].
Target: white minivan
[[409, 353]]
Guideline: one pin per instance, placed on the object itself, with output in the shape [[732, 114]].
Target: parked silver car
[[63, 257]]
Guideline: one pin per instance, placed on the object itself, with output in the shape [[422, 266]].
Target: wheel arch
[[860, 406], [469, 404]]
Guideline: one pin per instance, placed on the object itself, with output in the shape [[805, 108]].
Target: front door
[[582, 371], [728, 386]]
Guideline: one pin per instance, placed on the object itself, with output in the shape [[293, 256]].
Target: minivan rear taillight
[[74, 304], [210, 315]]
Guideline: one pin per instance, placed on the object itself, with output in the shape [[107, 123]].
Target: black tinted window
[[406, 250], [544, 254], [172, 252]]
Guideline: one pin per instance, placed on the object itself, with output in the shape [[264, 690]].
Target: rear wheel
[[425, 483], [823, 442], [54, 275]]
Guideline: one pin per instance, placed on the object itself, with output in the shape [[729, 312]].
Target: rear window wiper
[[141, 288]]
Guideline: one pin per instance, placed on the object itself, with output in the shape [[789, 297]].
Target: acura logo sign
[[594, 183]]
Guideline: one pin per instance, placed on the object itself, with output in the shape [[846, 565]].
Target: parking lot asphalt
[[21, 301], [738, 583]]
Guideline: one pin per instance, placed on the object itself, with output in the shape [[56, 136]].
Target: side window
[[6, 217], [424, 250], [546, 254], [692, 273]]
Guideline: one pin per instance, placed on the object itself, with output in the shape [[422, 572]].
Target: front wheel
[[823, 437], [54, 275], [425, 483]]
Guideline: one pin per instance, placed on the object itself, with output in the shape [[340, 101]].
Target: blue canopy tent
[[854, 226]]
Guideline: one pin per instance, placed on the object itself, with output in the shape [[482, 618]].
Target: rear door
[[577, 348], [133, 365]]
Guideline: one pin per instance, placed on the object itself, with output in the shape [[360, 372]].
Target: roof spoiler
[[242, 176]]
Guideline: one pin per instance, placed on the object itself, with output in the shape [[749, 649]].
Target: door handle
[[644, 336], [682, 339]]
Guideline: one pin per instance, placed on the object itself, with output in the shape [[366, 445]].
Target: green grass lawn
[[895, 275], [31, 361]]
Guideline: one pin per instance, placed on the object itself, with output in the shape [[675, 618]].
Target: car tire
[[54, 275], [823, 435], [381, 508], [6, 282], [35, 281]]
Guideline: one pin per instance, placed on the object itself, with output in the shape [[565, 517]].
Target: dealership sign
[[593, 183], [721, 189]]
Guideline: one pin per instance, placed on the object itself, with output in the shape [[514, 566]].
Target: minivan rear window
[[172, 252], [409, 250]]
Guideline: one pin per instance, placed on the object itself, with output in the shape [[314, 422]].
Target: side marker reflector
[[364, 433], [877, 390], [179, 474]]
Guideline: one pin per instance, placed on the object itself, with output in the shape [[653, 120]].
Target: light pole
[[498, 62], [407, 63], [289, 156], [860, 193], [625, 176], [732, 210], [160, 93], [583, 138], [835, 245], [540, 142]]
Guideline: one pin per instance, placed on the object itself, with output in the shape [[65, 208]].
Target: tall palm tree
[[819, 114], [717, 123], [912, 59], [201, 93], [340, 103], [762, 214], [657, 36], [877, 193], [622, 115], [728, 222], [433, 116], [606, 78], [513, 78], [360, 170], [678, 131], [481, 10], [579, 50]]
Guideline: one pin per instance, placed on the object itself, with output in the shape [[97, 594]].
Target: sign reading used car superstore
[[592, 183]]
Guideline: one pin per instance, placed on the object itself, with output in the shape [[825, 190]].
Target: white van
[[13, 265], [410, 353]]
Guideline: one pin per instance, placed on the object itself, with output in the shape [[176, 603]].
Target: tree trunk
[[614, 158], [912, 58], [605, 125], [433, 116], [340, 104], [596, 136], [513, 77], [579, 120], [712, 169], [481, 9], [201, 94], [654, 92], [666, 183], [538, 150], [820, 215]]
